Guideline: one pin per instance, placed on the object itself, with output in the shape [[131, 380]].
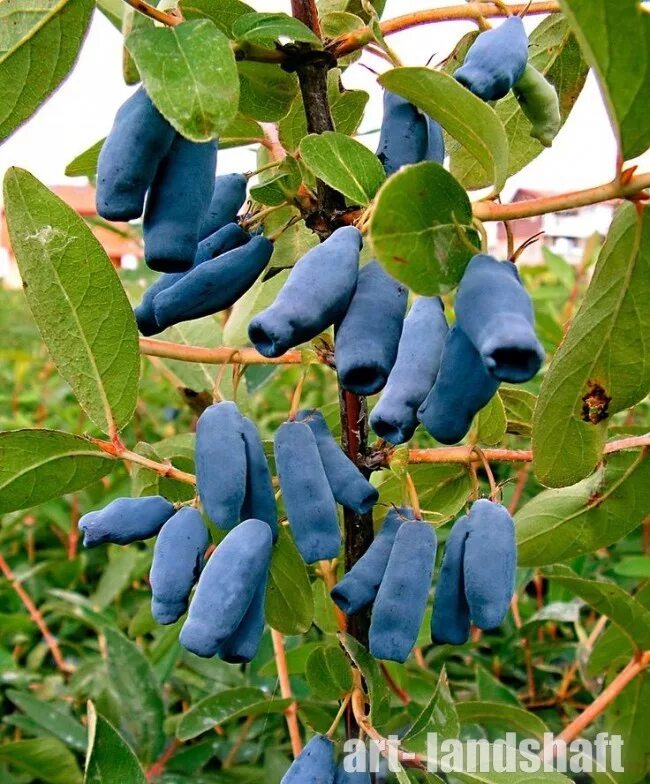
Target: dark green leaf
[[289, 600], [378, 694], [37, 465], [439, 716], [241, 132], [627, 717], [109, 758], [421, 228], [85, 164], [266, 90], [491, 422], [224, 13], [511, 716], [269, 29], [51, 718], [44, 759], [328, 673]]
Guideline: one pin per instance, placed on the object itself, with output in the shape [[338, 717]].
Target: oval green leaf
[[190, 73], [38, 465], [266, 91], [269, 29], [224, 13], [344, 164], [467, 118], [600, 368], [109, 757], [77, 300], [421, 228], [328, 673], [289, 600], [39, 44]]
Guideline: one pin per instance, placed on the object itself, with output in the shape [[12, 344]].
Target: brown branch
[[576, 727], [617, 189], [171, 20], [120, 452], [36, 616], [350, 42], [290, 713], [158, 767], [222, 355], [307, 12]]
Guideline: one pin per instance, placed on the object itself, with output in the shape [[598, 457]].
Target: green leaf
[[490, 688], [293, 243], [141, 707], [269, 29], [344, 164], [511, 716], [266, 90], [324, 613], [109, 758], [497, 777], [600, 368], [519, 405], [438, 716], [37, 465], [51, 718], [190, 74], [491, 422], [611, 600], [39, 44], [421, 228], [261, 294], [558, 525], [278, 186], [553, 51], [77, 300], [241, 131], [226, 706], [378, 694], [223, 13], [179, 450], [328, 673], [627, 716], [44, 759], [116, 576], [289, 601], [615, 38], [467, 118], [85, 164]]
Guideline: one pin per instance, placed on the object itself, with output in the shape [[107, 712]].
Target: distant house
[[565, 233], [119, 241]]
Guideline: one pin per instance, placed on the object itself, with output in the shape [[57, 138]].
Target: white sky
[[81, 111]]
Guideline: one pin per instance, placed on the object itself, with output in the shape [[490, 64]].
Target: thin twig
[[171, 20], [234, 749], [291, 712], [214, 356], [158, 767]]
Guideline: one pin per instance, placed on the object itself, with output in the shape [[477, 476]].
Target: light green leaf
[[558, 525], [224, 13], [289, 601], [324, 611], [511, 716], [613, 648], [141, 706], [109, 758], [615, 38], [467, 118], [491, 422], [555, 53], [266, 91], [421, 228], [116, 576], [261, 294], [602, 366], [77, 300], [269, 29], [85, 164], [37, 465], [344, 164], [224, 707], [178, 450], [608, 599], [51, 717], [519, 405], [378, 695], [438, 716], [293, 243], [328, 673], [241, 132], [39, 44], [44, 759], [494, 777], [189, 72]]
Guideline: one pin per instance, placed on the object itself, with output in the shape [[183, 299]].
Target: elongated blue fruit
[[177, 561], [402, 597], [243, 644], [138, 141], [316, 295], [228, 238], [496, 60], [349, 486], [494, 310], [220, 457], [359, 586], [259, 500], [226, 587], [214, 285], [404, 136], [314, 765], [366, 350], [228, 196], [126, 520], [490, 563], [462, 388], [394, 418], [177, 201], [356, 777], [450, 620], [308, 499]]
